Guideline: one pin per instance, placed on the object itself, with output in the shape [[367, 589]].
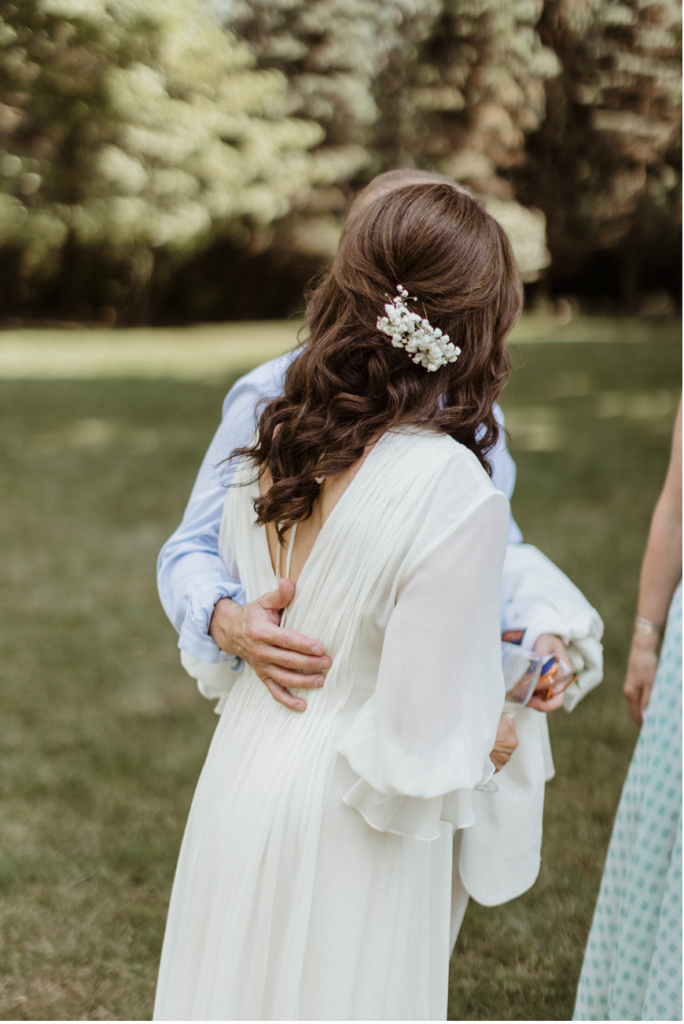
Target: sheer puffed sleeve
[[420, 745]]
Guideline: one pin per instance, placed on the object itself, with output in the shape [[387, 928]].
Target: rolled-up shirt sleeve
[[191, 574]]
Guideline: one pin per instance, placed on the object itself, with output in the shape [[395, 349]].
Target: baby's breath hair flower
[[426, 344]]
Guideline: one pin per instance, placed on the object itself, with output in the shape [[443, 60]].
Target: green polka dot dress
[[632, 966]]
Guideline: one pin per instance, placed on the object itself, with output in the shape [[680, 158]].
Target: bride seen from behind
[[314, 877]]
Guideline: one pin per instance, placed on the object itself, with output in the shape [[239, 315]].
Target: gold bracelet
[[643, 627]]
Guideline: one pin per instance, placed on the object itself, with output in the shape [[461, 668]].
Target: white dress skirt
[[314, 878]]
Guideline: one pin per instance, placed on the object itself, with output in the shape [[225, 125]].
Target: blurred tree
[[138, 127], [400, 83], [605, 164], [476, 90], [464, 101], [224, 137], [332, 52]]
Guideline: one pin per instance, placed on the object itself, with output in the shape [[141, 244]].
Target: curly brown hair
[[349, 385]]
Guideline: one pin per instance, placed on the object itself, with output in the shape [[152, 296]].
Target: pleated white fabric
[[314, 877]]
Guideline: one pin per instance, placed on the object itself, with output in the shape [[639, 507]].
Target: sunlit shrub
[[139, 123]]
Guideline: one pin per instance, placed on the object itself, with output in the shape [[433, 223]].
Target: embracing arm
[[191, 575], [204, 598]]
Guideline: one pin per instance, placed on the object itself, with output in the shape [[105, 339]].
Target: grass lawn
[[102, 735]]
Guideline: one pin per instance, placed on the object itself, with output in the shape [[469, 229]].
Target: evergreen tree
[[332, 52], [605, 163], [137, 127], [400, 83], [144, 131], [477, 90], [466, 103]]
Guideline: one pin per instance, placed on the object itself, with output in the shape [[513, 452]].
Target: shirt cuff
[[194, 635]]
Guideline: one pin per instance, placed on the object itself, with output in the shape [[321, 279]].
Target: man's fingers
[[275, 601], [292, 641], [280, 598], [291, 662], [284, 696], [286, 640], [281, 658], [295, 680]]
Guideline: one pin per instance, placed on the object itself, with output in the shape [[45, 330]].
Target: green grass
[[593, 427], [102, 735]]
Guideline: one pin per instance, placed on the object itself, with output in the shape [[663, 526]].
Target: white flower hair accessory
[[426, 344]]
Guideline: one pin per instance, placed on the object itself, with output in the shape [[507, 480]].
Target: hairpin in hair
[[426, 344]]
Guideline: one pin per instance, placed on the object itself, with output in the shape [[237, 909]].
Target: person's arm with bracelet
[[661, 571]]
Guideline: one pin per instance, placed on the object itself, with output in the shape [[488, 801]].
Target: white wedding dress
[[314, 878]]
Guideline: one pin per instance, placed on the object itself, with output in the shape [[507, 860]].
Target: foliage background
[[170, 160]]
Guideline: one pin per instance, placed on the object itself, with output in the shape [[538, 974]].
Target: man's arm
[[191, 575], [203, 597]]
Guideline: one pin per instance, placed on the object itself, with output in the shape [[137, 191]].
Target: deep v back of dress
[[304, 884], [369, 525], [302, 537]]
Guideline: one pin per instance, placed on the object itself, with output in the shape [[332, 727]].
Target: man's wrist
[[223, 625]]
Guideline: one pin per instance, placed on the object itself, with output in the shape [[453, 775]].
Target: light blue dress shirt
[[191, 574]]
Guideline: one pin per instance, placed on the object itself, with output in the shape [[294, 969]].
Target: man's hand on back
[[281, 658]]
